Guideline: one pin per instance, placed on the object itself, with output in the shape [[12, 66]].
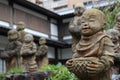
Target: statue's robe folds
[[28, 53], [41, 56], [11, 55], [74, 29], [98, 46]]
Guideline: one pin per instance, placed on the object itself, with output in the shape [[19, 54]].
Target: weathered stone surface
[[41, 56], [11, 55], [94, 52], [30, 76], [28, 53]]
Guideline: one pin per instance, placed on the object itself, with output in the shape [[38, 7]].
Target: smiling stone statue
[[94, 52]]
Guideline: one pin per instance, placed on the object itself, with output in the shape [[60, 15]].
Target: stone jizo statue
[[114, 34], [117, 24], [20, 29], [41, 55], [95, 51], [74, 26], [12, 52], [28, 52]]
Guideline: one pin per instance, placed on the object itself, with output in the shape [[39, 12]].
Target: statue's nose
[[85, 25]]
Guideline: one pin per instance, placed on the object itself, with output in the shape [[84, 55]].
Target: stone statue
[[28, 52], [117, 25], [12, 52], [114, 35], [42, 53], [21, 32], [95, 50], [75, 24]]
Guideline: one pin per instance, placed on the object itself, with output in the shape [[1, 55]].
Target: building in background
[[41, 22], [66, 6]]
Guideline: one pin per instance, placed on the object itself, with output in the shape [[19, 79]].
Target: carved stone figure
[[117, 24], [74, 26], [20, 29], [12, 52], [114, 35], [42, 53], [28, 52], [95, 50]]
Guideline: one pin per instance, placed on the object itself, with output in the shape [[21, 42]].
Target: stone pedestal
[[30, 76]]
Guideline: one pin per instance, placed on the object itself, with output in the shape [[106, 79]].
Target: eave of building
[[37, 8], [46, 12], [50, 42], [43, 11], [67, 15], [3, 31]]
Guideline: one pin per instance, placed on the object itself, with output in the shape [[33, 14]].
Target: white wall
[[54, 31], [51, 52], [3, 43], [66, 53], [2, 66]]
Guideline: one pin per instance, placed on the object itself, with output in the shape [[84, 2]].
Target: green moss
[[60, 72], [15, 70], [110, 13], [2, 76]]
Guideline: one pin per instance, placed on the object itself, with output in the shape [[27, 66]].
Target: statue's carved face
[[28, 38], [118, 22], [20, 26], [92, 22], [12, 35], [79, 11], [114, 39], [114, 35], [42, 41]]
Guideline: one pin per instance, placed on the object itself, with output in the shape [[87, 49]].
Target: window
[[54, 31], [87, 3], [2, 65]]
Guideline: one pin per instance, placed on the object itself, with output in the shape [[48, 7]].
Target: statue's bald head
[[79, 9], [78, 5], [12, 32], [20, 26], [28, 38], [95, 12], [93, 20], [12, 35], [42, 40]]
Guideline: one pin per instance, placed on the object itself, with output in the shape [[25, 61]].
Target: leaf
[[60, 72]]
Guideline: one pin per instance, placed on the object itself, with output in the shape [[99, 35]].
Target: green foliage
[[110, 13], [15, 70], [60, 72], [2, 76]]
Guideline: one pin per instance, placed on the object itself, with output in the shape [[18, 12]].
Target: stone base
[[30, 76]]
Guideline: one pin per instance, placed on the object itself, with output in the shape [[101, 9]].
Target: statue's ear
[[103, 26]]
